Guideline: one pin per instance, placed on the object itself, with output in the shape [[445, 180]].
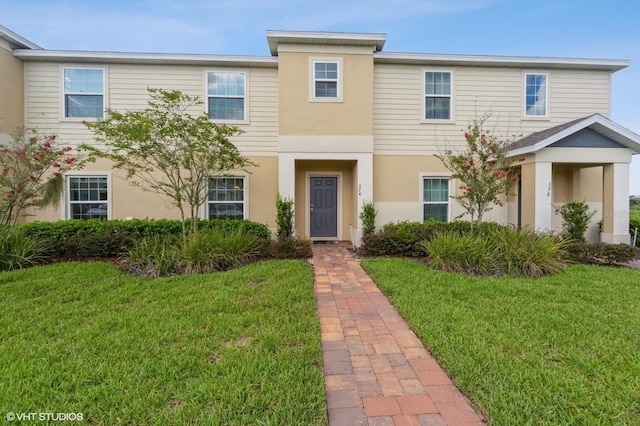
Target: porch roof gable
[[596, 122]]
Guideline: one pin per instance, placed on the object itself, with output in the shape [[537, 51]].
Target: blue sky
[[565, 28]]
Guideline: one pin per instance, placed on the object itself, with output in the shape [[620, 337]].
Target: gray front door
[[324, 207]]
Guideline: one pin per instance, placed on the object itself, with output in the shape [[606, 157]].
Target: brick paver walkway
[[377, 371]]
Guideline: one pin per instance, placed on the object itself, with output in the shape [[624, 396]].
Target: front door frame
[[307, 195]]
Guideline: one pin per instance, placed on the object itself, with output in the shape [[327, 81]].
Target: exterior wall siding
[[398, 97], [126, 89]]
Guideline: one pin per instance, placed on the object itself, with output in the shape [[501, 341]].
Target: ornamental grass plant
[[496, 250], [19, 250], [202, 252]]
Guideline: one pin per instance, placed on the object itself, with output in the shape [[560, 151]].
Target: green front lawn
[[240, 347], [560, 350]]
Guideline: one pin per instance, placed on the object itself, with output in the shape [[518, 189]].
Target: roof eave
[[145, 58], [612, 65], [276, 37], [597, 122], [16, 41]]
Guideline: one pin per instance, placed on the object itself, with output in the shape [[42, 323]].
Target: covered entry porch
[[585, 160], [328, 192]]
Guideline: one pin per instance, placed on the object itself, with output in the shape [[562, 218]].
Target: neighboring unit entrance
[[323, 207]]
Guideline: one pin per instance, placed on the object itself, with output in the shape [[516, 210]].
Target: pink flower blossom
[[5, 170], [56, 174], [9, 195], [70, 160], [56, 164], [47, 144], [67, 149], [522, 159]]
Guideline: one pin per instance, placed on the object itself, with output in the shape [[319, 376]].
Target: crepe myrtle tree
[[482, 168], [167, 150], [32, 166]]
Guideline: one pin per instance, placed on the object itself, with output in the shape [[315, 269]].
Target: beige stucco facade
[[371, 133], [11, 92]]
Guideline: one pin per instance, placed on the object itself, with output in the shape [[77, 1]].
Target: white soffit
[[275, 38]]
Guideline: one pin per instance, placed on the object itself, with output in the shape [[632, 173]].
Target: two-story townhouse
[[333, 122]]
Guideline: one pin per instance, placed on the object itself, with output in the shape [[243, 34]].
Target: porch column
[[543, 208], [615, 205], [365, 182], [287, 175]]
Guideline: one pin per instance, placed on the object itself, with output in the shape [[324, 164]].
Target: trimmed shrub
[[399, 239], [19, 250], [117, 236], [402, 238], [576, 217], [601, 253], [368, 218], [290, 248], [284, 217], [108, 243]]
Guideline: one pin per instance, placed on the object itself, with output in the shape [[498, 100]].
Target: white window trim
[[436, 175], [312, 79], [423, 98], [66, 210], [245, 119], [524, 96], [245, 194], [63, 103]]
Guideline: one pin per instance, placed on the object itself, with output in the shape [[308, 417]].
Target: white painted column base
[[615, 238]]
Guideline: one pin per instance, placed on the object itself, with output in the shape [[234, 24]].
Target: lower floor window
[[226, 198], [435, 199], [88, 197]]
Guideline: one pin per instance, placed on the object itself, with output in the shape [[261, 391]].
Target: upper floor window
[[437, 94], [535, 95], [325, 79], [226, 198], [83, 92], [435, 199], [87, 197], [226, 93]]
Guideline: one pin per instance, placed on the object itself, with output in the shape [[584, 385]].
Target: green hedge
[[601, 253], [402, 238], [106, 238]]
